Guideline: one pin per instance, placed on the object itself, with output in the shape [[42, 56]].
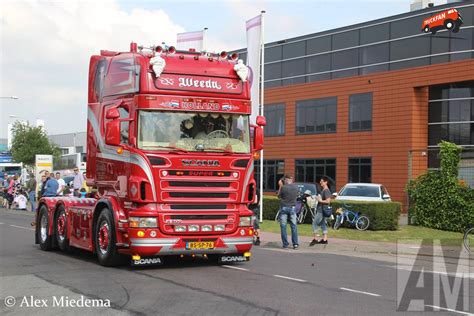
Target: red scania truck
[[170, 157]]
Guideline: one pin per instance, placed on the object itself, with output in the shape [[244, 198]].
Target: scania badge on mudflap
[[148, 261]]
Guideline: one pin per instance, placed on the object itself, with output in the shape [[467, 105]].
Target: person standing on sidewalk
[[77, 183], [31, 189], [255, 208], [287, 194], [319, 221], [61, 184]]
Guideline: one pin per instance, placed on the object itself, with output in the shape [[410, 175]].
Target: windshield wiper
[[227, 151], [173, 148]]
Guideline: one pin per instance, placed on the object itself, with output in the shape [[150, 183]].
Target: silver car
[[363, 192]]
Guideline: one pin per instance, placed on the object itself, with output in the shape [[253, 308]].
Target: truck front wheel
[[104, 239], [42, 227]]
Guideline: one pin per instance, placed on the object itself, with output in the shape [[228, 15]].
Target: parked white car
[[363, 192]]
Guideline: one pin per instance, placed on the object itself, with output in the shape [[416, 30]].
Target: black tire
[[455, 29], [61, 234], [362, 223], [449, 24], [105, 241], [338, 221], [42, 227]]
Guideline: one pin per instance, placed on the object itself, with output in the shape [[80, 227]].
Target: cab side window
[[124, 125]]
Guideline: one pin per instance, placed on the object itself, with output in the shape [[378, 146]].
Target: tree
[[29, 141]]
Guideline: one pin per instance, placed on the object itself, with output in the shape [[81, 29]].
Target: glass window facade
[[275, 115], [375, 46], [311, 171], [450, 117], [360, 170], [316, 116], [360, 112], [273, 170]]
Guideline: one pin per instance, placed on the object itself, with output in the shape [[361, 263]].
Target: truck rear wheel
[[60, 226], [42, 227], [104, 239]]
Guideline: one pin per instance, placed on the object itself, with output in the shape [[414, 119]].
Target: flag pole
[[262, 47], [204, 32]]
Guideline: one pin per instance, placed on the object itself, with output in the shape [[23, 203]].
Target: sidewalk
[[360, 248]]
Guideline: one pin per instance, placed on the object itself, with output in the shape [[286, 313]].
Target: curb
[[17, 212]]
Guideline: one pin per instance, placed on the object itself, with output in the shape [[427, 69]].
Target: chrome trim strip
[[153, 242], [109, 152]]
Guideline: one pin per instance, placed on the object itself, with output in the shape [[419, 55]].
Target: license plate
[[200, 245]]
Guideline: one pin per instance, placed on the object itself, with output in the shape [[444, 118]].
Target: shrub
[[382, 215], [438, 199]]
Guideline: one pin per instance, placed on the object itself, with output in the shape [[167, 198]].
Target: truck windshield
[[193, 131]]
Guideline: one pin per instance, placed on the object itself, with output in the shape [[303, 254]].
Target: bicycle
[[302, 210], [361, 222], [468, 239]]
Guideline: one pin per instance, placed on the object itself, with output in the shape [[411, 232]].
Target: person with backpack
[[323, 211]]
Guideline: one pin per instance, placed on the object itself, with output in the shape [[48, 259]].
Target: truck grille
[[199, 184], [198, 206], [198, 195]]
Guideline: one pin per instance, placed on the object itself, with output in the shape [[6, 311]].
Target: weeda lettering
[[190, 82]]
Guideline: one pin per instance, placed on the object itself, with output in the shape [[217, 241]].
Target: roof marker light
[[223, 55], [171, 50], [234, 56], [158, 49]]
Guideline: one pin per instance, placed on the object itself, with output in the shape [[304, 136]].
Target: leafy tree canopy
[[29, 141]]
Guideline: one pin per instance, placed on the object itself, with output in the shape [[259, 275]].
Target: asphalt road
[[275, 281]]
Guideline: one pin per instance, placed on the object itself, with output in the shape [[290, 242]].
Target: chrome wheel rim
[[43, 229]]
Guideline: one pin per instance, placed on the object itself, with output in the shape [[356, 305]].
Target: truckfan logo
[[200, 163], [449, 19]]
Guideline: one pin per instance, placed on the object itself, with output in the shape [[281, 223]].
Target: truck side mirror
[[261, 121], [112, 132], [258, 138]]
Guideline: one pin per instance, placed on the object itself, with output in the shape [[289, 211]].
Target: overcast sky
[[46, 45]]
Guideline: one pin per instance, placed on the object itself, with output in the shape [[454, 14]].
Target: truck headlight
[[193, 228], [143, 222], [219, 228], [245, 221], [180, 228], [206, 228]]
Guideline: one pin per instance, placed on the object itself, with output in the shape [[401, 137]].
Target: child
[[20, 201]]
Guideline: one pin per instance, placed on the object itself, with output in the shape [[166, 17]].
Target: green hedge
[[437, 198], [382, 215]]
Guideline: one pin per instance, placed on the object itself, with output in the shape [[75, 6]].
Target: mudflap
[[233, 258], [147, 262]]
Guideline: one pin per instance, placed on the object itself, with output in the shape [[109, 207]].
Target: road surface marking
[[236, 268], [288, 278], [1, 223], [415, 247], [449, 310], [454, 275], [360, 292], [22, 227]]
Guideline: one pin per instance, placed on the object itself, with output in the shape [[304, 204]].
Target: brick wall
[[399, 122]]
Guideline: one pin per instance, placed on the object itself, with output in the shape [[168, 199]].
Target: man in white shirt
[[20, 201], [61, 183]]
